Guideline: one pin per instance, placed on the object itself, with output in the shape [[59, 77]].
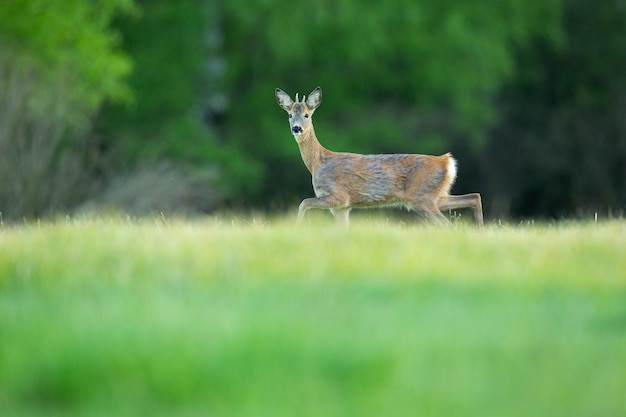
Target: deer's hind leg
[[342, 215], [430, 210], [434, 215], [473, 201]]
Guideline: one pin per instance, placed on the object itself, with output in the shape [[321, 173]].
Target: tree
[[177, 95], [58, 62], [560, 148]]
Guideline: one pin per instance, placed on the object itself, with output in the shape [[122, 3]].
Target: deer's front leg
[[327, 202]]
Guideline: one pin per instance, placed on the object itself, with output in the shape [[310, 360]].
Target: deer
[[343, 181]]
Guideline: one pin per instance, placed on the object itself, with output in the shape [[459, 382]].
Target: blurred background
[[165, 106]]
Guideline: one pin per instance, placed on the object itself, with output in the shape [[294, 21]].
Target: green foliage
[[166, 43], [160, 317], [561, 143], [59, 61], [407, 52], [170, 86], [69, 42]]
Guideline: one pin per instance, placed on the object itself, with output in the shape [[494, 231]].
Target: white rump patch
[[450, 176], [452, 170]]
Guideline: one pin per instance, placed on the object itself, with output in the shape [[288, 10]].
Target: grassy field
[[226, 317]]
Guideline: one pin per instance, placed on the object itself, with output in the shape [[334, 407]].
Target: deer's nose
[[296, 129]]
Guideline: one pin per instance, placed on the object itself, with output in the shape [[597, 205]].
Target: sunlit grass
[[249, 317], [210, 251]]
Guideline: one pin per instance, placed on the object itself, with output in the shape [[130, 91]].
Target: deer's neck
[[310, 149]]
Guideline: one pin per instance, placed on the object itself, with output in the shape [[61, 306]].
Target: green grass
[[232, 318]]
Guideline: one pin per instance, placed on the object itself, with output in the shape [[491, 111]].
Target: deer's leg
[[342, 215], [434, 215], [473, 201], [431, 212], [327, 202]]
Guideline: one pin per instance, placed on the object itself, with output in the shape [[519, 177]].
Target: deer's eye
[[290, 115], [306, 116]]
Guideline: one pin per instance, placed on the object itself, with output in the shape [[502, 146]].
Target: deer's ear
[[315, 98], [283, 99]]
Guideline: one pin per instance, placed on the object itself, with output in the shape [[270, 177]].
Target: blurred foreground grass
[[231, 318]]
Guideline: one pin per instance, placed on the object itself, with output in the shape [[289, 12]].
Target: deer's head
[[300, 112]]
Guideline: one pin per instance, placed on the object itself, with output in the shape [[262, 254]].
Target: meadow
[[231, 317]]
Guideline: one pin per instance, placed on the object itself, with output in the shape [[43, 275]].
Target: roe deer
[[343, 181]]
